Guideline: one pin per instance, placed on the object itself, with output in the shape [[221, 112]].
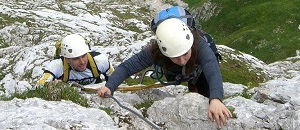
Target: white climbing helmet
[[73, 46], [174, 38]]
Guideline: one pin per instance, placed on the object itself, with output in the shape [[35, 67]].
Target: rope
[[126, 88], [150, 123]]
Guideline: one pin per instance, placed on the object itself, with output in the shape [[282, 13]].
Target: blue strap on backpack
[[173, 12]]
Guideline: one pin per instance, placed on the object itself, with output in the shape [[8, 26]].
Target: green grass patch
[[3, 44], [53, 92], [109, 111], [94, 8], [7, 20], [237, 72], [264, 29], [195, 3], [124, 14], [144, 107]]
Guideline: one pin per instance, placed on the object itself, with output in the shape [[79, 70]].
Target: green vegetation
[[265, 29], [171, 2], [231, 109], [1, 76], [247, 95], [195, 3], [237, 72], [125, 15], [144, 106], [3, 44], [108, 111], [94, 8], [53, 92], [7, 20]]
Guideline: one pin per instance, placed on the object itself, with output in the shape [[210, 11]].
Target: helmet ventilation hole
[[188, 37], [164, 49]]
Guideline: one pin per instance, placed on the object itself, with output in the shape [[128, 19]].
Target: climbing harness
[[157, 74]]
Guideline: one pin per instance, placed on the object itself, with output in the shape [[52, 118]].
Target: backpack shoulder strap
[[57, 48], [93, 65], [202, 34], [207, 37], [66, 70]]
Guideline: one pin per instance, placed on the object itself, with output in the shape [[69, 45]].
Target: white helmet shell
[[174, 37], [73, 46]]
